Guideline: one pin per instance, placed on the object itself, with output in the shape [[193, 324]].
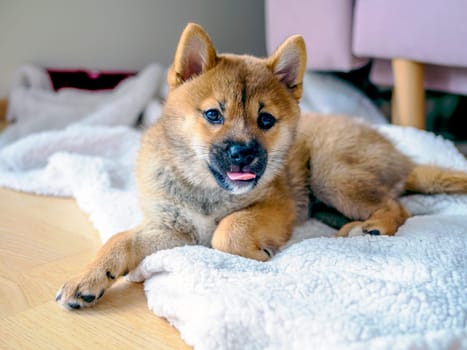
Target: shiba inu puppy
[[232, 163]]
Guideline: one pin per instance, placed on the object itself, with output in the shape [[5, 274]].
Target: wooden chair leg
[[394, 107], [408, 104], [3, 108]]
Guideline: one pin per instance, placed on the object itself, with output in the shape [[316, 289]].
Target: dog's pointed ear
[[288, 63], [195, 54]]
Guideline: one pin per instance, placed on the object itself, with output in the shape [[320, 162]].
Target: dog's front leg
[[119, 255], [256, 232]]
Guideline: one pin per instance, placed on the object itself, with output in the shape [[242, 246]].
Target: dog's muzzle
[[237, 166]]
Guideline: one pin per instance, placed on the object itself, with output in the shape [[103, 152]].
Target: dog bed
[[404, 292]]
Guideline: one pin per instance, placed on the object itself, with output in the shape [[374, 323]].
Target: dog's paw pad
[[76, 301], [89, 298], [74, 306], [84, 291]]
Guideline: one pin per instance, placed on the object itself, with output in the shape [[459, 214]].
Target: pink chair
[[414, 44]]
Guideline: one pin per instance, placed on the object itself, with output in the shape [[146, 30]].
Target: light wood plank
[[43, 242]]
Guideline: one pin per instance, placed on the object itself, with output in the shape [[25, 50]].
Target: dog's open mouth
[[236, 180]]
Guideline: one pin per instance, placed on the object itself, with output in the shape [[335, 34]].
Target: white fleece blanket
[[404, 292]]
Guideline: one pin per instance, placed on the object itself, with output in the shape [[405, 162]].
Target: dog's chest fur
[[192, 210]]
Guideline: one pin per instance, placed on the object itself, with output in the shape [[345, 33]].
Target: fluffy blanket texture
[[404, 292]]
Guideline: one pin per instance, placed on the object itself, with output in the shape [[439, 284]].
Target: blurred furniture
[[3, 107], [414, 44]]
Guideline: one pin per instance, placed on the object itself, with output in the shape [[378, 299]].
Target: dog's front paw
[[380, 227], [369, 227], [84, 290], [259, 254], [351, 229], [250, 252]]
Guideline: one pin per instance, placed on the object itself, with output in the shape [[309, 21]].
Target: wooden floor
[[43, 242]]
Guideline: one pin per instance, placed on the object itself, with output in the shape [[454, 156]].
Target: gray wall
[[118, 34]]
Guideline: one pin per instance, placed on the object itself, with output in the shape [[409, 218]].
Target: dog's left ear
[[195, 54], [288, 63]]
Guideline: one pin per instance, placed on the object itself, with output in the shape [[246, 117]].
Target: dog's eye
[[266, 121], [213, 116]]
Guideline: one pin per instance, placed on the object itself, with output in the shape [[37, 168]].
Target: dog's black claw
[[88, 298], [109, 275], [78, 295], [74, 306], [268, 252], [58, 297], [373, 232], [101, 294]]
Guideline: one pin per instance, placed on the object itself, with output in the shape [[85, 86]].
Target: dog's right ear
[[195, 54]]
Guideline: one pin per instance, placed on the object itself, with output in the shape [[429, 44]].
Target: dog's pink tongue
[[240, 176]]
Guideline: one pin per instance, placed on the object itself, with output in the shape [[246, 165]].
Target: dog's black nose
[[242, 155]]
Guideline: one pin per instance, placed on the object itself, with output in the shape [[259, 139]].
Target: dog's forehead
[[244, 70], [239, 78]]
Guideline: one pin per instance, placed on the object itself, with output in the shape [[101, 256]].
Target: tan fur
[[432, 179], [341, 162]]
